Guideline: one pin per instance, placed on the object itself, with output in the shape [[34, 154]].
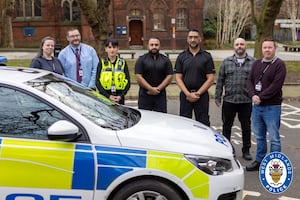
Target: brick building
[[132, 21]]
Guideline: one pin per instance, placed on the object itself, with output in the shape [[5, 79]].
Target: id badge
[[80, 72], [258, 86], [113, 88]]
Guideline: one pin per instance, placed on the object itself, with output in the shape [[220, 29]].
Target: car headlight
[[210, 165]]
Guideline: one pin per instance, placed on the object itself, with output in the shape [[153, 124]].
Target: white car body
[[158, 146]]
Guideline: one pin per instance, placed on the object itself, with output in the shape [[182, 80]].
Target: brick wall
[[51, 24]]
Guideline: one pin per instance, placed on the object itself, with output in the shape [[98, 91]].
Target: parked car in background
[[3, 60], [61, 140]]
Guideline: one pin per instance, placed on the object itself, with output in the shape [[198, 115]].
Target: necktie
[[78, 70]]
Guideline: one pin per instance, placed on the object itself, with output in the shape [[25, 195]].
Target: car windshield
[[87, 102]]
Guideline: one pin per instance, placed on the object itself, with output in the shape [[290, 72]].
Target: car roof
[[20, 74]]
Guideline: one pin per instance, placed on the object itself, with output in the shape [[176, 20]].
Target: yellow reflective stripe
[[198, 190], [36, 164], [177, 165]]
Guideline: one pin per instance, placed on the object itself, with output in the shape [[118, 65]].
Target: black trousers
[[153, 102], [200, 108], [243, 110]]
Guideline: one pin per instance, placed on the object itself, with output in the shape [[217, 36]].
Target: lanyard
[[267, 67], [52, 62], [74, 49]]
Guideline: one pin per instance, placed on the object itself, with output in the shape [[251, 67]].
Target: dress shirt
[[88, 63]]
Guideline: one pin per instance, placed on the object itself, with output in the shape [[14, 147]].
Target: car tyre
[[147, 189]]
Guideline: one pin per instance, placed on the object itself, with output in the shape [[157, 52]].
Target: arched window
[[181, 19], [66, 10], [159, 10], [158, 21], [28, 8], [75, 11], [71, 10], [135, 12]]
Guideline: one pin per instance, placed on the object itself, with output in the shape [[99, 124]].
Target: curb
[[291, 99], [19, 49]]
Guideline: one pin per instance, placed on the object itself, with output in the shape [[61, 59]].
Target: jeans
[[266, 119], [243, 111]]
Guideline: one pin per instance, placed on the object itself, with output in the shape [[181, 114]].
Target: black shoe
[[254, 166], [247, 156]]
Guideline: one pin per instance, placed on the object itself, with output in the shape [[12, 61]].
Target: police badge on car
[[276, 172]]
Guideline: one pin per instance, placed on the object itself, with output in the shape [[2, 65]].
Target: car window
[[88, 103], [24, 116]]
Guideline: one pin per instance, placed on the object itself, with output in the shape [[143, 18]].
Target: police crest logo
[[276, 172]]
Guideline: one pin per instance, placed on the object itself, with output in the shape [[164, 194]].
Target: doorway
[[136, 33]]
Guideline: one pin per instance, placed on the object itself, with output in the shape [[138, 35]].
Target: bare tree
[[97, 14], [264, 19], [6, 24], [292, 9], [219, 25], [232, 17]]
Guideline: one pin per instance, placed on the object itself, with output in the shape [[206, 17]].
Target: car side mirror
[[63, 130]]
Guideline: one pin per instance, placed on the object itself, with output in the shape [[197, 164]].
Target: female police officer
[[112, 78]]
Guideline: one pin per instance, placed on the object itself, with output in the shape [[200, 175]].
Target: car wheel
[[147, 190]]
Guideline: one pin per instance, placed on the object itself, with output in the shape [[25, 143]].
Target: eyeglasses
[[73, 36], [193, 37]]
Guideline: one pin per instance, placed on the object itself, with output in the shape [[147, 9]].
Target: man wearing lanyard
[[79, 60], [265, 89]]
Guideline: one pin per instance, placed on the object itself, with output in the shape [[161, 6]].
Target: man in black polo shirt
[[153, 72], [194, 75]]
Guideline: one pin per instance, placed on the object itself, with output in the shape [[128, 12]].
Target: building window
[[66, 11], [181, 19], [135, 12], [71, 10], [28, 8], [159, 12], [158, 21]]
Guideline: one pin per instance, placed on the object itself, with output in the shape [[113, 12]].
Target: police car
[[62, 141], [3, 61]]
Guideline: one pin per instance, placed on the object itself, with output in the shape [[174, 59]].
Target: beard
[[194, 45], [154, 51], [240, 52]]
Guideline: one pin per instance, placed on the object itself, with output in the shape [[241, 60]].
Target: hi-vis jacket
[[113, 74]]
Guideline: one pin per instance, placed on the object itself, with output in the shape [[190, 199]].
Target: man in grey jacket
[[233, 76]]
